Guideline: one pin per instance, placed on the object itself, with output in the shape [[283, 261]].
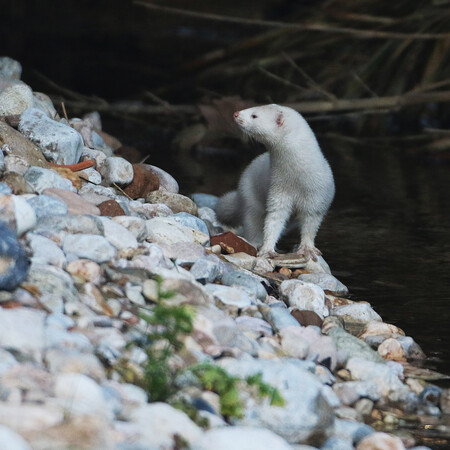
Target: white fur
[[292, 178]]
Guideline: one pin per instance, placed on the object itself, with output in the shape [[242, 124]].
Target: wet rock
[[159, 422], [15, 99], [165, 230], [75, 203], [45, 251], [10, 68], [326, 281], [305, 296], [229, 240], [60, 143], [202, 200], [240, 438], [110, 208], [357, 312], [305, 317], [381, 441], [41, 179], [89, 246], [47, 205], [176, 202], [116, 170], [13, 260], [144, 182], [166, 181]]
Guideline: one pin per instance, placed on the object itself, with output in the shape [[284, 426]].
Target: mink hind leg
[[309, 225]]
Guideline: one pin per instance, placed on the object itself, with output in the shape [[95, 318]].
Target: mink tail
[[227, 209]]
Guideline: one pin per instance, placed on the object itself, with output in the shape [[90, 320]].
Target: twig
[[281, 80], [322, 27], [122, 191], [64, 111]]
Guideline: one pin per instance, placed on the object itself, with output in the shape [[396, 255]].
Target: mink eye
[[254, 116]]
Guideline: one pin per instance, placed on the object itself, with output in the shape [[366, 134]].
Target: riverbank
[[113, 296]]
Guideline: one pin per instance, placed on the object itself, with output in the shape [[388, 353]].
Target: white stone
[[89, 246], [59, 142], [305, 296], [15, 99], [381, 441], [117, 170], [16, 163], [24, 418], [24, 214], [165, 230], [91, 175], [326, 281], [166, 181], [44, 103], [232, 296], [79, 394], [118, 235], [359, 312], [159, 422], [240, 438], [10, 68], [12, 441], [97, 155], [45, 251], [41, 179], [134, 225]]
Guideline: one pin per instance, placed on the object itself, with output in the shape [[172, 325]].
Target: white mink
[[292, 179]]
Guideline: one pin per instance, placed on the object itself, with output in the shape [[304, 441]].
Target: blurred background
[[372, 78]]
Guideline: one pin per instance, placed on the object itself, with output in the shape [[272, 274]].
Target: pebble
[[117, 235], [357, 312], [95, 248], [230, 295], [17, 213], [47, 205], [207, 269], [253, 283], [116, 170], [74, 202], [60, 143], [15, 99], [41, 179], [10, 68], [43, 102], [326, 281], [188, 220], [381, 441], [45, 251], [110, 208], [166, 181], [11, 440], [144, 182], [176, 202], [13, 260]]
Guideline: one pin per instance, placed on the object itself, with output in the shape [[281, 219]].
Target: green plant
[[266, 390]]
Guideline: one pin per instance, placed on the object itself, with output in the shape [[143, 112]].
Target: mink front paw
[[309, 252]]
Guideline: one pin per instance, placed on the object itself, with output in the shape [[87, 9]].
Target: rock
[[240, 438], [207, 269], [45, 251], [75, 203], [326, 281], [188, 220], [85, 270], [60, 143], [11, 440], [293, 343], [305, 296], [254, 326], [352, 431], [73, 224], [16, 164], [116, 170], [357, 312], [134, 225], [351, 391], [165, 230], [305, 317], [176, 202], [144, 182], [158, 423], [166, 182], [89, 246], [41, 179], [306, 413], [202, 200], [79, 394], [280, 318], [391, 349], [13, 260], [17, 183], [22, 330], [253, 283], [381, 441], [47, 205], [374, 328], [43, 102], [241, 259], [15, 99], [10, 68], [382, 375], [350, 346], [229, 240], [230, 295], [110, 208], [411, 348], [185, 252], [335, 443], [17, 213], [5, 189], [118, 235], [148, 210]]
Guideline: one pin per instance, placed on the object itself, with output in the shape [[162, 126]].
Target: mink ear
[[280, 119]]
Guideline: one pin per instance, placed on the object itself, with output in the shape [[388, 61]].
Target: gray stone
[[188, 220], [89, 246], [335, 443], [43, 102], [305, 296], [72, 224], [176, 202], [326, 282], [232, 296], [4, 188], [40, 179], [240, 438], [134, 225], [15, 99], [7, 361], [306, 413], [60, 143], [166, 230], [207, 200], [351, 391], [45, 251], [11, 440], [280, 318], [253, 283], [117, 170], [45, 205], [254, 325], [351, 431], [10, 68], [357, 312], [184, 252], [117, 235], [207, 269], [166, 181]]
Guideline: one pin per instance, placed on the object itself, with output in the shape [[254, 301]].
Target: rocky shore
[[130, 319]]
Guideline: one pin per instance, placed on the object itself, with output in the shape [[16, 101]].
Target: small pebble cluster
[[83, 253]]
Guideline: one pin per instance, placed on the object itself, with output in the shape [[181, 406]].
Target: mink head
[[268, 124]]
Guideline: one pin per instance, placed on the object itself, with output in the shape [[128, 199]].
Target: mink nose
[[236, 114]]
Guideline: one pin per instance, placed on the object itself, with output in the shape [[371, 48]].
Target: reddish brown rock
[[306, 317], [230, 240], [110, 208], [144, 182]]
